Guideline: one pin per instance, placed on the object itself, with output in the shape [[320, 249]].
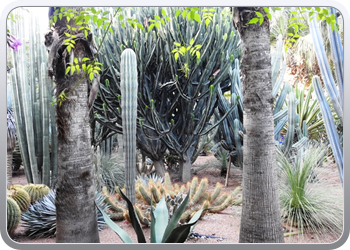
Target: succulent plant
[[36, 191], [20, 196], [13, 215], [40, 219], [153, 192]]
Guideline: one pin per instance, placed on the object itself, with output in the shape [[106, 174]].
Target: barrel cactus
[[36, 191], [128, 85], [20, 196], [13, 215]]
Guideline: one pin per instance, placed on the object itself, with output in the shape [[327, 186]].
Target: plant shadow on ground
[[223, 227]]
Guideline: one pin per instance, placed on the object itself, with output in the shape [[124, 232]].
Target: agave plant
[[111, 170], [40, 219], [163, 230], [305, 204]]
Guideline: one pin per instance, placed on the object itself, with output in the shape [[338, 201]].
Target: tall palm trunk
[[75, 189], [261, 219]]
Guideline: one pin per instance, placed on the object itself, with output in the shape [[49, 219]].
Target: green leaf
[[77, 68], [197, 18], [105, 13], [164, 13], [134, 219], [175, 218], [67, 70], [261, 20], [266, 9], [198, 54], [176, 56], [60, 16], [184, 13], [76, 60], [253, 20], [178, 12], [121, 233], [192, 41], [161, 215], [84, 67], [177, 44], [91, 76], [67, 34], [258, 14]]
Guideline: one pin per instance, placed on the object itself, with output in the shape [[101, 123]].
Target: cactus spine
[[13, 215], [36, 191], [128, 85], [20, 196]]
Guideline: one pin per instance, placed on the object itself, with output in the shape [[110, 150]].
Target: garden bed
[[222, 227]]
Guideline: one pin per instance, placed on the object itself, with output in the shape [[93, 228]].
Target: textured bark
[[261, 219], [75, 189], [159, 166]]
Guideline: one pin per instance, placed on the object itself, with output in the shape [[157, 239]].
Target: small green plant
[[305, 204], [163, 230]]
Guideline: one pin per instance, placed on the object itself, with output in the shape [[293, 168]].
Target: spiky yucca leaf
[[112, 172], [307, 205]]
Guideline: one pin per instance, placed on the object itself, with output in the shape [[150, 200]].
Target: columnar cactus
[[128, 87]]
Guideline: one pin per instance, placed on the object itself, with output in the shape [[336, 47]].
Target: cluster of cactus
[[20, 195], [36, 191], [174, 108], [31, 93], [40, 219], [19, 199], [152, 193]]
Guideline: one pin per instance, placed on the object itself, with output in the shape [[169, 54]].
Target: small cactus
[[20, 196], [13, 215], [36, 191]]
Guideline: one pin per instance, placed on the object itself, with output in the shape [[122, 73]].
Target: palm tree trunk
[[75, 189], [261, 219]]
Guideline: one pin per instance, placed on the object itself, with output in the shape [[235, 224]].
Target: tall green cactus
[[330, 126], [128, 87], [335, 95], [32, 92], [174, 108]]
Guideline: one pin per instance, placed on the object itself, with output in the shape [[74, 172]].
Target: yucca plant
[[40, 219], [111, 171], [305, 204], [163, 230]]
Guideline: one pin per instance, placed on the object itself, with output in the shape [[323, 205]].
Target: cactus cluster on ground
[[19, 199], [152, 192]]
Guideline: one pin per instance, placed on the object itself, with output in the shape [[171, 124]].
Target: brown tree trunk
[[261, 218], [75, 190]]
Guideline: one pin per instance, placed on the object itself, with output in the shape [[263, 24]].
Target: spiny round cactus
[[36, 191], [13, 215], [20, 196], [40, 219]]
